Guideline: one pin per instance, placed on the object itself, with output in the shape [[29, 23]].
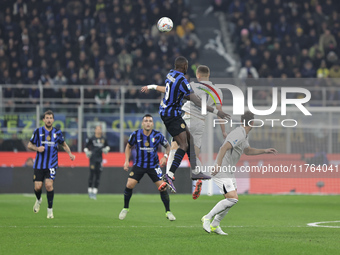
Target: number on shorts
[[159, 172], [52, 171]]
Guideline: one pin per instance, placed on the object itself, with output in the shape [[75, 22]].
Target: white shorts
[[196, 128], [225, 184]]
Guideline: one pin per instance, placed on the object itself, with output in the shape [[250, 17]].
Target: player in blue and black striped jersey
[[146, 142], [178, 88], [45, 141]]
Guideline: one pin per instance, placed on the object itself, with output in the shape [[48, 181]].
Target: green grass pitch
[[256, 225]]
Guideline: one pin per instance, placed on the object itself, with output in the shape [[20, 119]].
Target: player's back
[[176, 88], [203, 89]]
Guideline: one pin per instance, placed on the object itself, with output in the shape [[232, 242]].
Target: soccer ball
[[165, 24]]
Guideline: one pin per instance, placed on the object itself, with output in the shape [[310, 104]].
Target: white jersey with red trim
[[201, 89]]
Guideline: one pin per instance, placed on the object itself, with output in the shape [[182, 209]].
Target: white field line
[[131, 226], [316, 224]]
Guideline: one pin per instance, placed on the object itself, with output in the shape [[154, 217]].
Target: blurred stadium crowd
[[88, 42], [277, 38]]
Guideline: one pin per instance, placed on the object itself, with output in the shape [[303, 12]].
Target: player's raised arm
[[254, 151], [154, 87], [193, 98]]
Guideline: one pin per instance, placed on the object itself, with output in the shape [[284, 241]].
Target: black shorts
[[42, 174], [137, 173], [174, 125], [96, 166]]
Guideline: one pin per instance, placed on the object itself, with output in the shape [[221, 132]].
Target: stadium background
[[87, 60]]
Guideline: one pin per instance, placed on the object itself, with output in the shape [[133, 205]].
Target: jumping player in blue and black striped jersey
[[146, 142], [45, 141], [177, 89]]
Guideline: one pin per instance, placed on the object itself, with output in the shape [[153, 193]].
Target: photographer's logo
[[239, 102]]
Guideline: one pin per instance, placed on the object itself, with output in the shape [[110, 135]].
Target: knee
[[130, 186], [37, 187], [49, 187]]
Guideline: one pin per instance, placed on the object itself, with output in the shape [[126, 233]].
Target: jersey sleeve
[[186, 88], [132, 139], [61, 138], [163, 141], [234, 138], [34, 137]]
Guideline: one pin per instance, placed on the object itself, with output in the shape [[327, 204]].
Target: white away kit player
[[229, 154]]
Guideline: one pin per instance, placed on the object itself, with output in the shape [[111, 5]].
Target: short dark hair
[[203, 70], [48, 112], [180, 62], [247, 116], [147, 115]]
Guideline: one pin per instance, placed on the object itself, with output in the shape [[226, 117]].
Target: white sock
[[50, 210], [170, 159], [221, 206], [198, 168], [95, 191], [171, 175], [90, 190], [219, 217]]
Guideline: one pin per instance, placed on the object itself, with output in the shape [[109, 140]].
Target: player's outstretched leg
[[218, 208], [191, 150], [181, 140], [197, 191]]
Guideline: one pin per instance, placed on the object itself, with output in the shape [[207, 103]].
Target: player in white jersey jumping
[[194, 119], [229, 154]]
